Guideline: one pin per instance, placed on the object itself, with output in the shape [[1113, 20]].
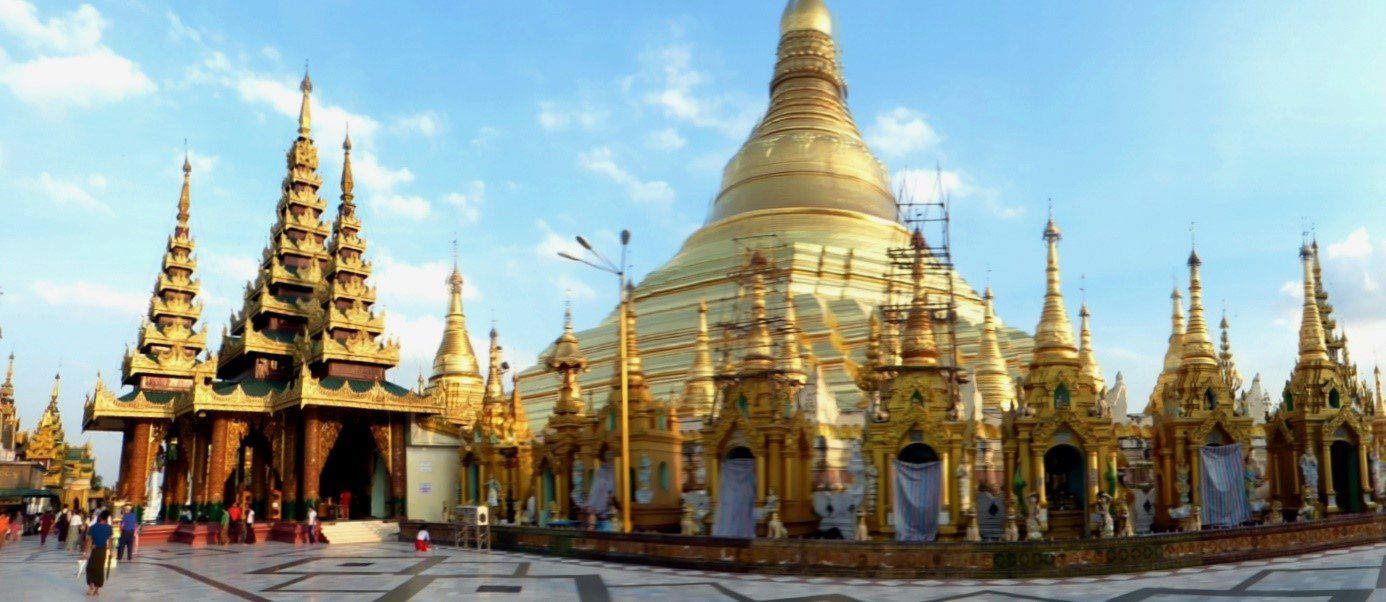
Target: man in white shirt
[[312, 525]]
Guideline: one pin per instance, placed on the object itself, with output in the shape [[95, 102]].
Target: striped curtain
[[602, 488], [1223, 488], [736, 500], [917, 500]]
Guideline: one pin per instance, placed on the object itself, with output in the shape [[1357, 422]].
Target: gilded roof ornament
[[305, 112], [993, 379], [1054, 334], [1197, 342], [1087, 360], [1312, 348], [455, 356], [918, 346]]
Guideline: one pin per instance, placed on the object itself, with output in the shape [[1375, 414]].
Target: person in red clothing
[[344, 512], [236, 524], [45, 525]]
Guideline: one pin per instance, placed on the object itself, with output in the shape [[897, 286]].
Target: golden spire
[[519, 422], [567, 360], [1087, 361], [635, 365], [918, 346], [699, 391], [348, 180], [1197, 343], [1054, 335], [495, 386], [806, 151], [1312, 349], [790, 357], [455, 355], [758, 355], [7, 387], [305, 114], [57, 388], [1176, 333], [185, 197], [993, 379], [1225, 358]]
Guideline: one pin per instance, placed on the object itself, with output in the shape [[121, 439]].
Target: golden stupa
[[806, 191]]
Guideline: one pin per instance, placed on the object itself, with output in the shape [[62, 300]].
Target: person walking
[[98, 538], [45, 526], [249, 525], [75, 526], [129, 529], [17, 526], [225, 527], [237, 527], [312, 525], [61, 526], [344, 512]]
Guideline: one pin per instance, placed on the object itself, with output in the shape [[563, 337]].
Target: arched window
[[1289, 401], [1210, 401], [917, 398], [611, 420], [661, 421], [1334, 400], [663, 476], [1061, 398], [742, 404]]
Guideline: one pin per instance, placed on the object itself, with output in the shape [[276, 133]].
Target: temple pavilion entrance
[[252, 476], [1347, 481], [1065, 487], [352, 467]]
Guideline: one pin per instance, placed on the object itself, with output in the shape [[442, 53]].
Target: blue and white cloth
[[917, 494], [1223, 488], [736, 500], [603, 487]]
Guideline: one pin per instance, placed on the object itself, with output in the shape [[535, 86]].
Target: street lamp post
[[623, 308]]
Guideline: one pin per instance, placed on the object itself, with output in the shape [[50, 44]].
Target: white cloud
[[554, 243], [602, 161], [484, 135], [371, 176], [569, 286], [418, 337], [667, 139], [68, 66], [470, 201], [90, 296], [556, 116], [271, 53], [901, 131], [203, 166], [1357, 245], [677, 89], [76, 194], [427, 124], [402, 283], [403, 205], [231, 268], [925, 185], [179, 31]]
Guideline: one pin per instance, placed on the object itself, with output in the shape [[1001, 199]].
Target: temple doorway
[[1065, 487], [471, 481], [917, 453], [253, 475], [1347, 476], [350, 469]]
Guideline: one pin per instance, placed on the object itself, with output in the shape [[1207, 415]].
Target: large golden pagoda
[[807, 193]]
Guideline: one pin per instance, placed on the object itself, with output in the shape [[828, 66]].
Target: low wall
[[891, 560]]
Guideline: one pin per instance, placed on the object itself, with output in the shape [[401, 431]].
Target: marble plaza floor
[[394, 571]]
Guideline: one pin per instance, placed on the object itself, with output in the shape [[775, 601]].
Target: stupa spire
[[699, 390], [455, 356], [1176, 333], [305, 111], [1054, 335], [1197, 342], [1312, 348], [1226, 359], [1087, 360], [993, 379], [791, 360], [519, 422], [918, 346], [568, 361], [495, 385], [807, 143], [758, 355], [7, 387]]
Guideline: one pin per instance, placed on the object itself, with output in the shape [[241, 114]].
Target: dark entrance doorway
[[350, 468], [917, 453], [1065, 488], [1347, 476]]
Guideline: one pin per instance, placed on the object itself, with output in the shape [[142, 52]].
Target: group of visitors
[[237, 525]]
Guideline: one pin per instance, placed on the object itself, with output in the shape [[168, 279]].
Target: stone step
[[365, 531]]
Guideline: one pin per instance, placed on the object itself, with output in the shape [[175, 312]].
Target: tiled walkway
[[393, 571]]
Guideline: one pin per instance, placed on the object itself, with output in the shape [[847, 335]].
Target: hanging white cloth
[[917, 500], [602, 488], [736, 500]]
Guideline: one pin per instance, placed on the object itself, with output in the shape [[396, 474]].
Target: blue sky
[[512, 126]]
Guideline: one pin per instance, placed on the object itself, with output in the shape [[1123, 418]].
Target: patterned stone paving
[[394, 571]]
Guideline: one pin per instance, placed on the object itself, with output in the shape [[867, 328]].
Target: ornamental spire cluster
[[568, 361], [700, 390], [1087, 360], [1197, 343], [993, 379], [918, 347], [1312, 347]]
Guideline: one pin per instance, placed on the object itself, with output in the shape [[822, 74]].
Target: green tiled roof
[[152, 396], [336, 383], [251, 387]]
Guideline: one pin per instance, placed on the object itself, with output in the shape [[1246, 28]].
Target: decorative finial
[[346, 141], [187, 165], [305, 86]]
